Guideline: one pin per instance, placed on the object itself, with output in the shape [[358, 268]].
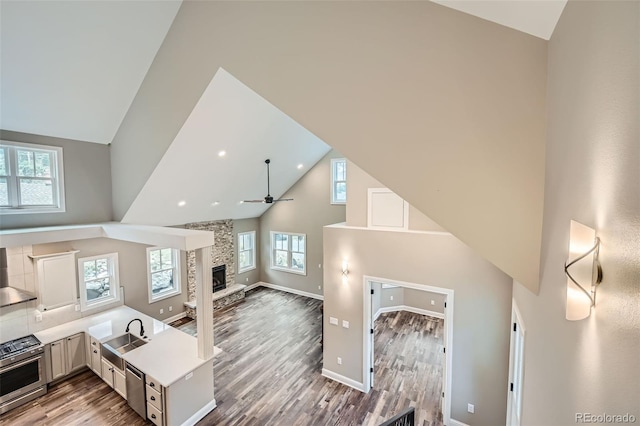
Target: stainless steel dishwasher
[[136, 391]]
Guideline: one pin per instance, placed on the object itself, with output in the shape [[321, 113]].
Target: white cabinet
[[114, 377], [75, 353], [94, 348], [65, 356], [58, 365], [155, 401], [55, 276]]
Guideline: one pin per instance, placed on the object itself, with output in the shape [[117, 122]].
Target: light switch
[[333, 320], [345, 323], [433, 302]]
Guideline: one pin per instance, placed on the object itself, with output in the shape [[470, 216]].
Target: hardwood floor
[[269, 373], [82, 399], [270, 370]]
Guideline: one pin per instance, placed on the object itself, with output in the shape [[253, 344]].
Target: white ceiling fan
[[268, 199]]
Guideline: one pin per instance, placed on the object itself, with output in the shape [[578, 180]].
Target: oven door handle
[[19, 364]]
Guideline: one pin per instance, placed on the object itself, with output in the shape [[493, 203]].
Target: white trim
[[342, 379], [367, 343], [405, 210], [454, 422], [175, 317], [252, 286], [253, 252], [289, 253], [343, 225], [333, 182], [200, 414], [408, 309], [177, 277], [114, 284], [516, 318], [13, 184], [290, 290]]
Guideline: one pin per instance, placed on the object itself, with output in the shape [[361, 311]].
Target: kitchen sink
[[114, 348]]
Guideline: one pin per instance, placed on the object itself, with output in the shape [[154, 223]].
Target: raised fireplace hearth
[[219, 277]]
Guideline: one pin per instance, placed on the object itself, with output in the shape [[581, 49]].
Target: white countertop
[[168, 355]]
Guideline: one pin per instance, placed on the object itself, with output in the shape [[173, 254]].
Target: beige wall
[[358, 183], [445, 109], [246, 225], [410, 297], [593, 176], [87, 181], [482, 308], [132, 261], [307, 214]]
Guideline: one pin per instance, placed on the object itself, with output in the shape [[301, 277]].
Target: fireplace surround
[[219, 274]]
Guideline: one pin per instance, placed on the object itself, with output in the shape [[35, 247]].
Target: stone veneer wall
[[223, 252]]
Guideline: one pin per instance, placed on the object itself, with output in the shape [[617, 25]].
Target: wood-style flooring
[[269, 373]]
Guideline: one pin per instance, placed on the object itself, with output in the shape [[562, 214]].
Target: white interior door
[[516, 368]]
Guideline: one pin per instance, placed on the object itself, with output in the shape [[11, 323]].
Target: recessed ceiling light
[[300, 166], [222, 153], [182, 203], [215, 203], [241, 202]]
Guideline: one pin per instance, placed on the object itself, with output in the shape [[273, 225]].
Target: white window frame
[[334, 181], [114, 284], [289, 251], [252, 266], [13, 180], [176, 275]]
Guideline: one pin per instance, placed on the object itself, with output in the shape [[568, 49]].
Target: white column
[[204, 303]]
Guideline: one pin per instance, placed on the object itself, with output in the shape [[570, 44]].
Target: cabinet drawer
[[153, 383], [154, 398], [154, 415]]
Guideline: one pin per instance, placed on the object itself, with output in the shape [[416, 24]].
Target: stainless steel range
[[22, 372]]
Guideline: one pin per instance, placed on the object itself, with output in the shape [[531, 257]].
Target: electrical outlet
[[319, 265], [471, 408], [433, 302], [38, 316], [319, 287], [390, 297], [246, 280], [345, 324], [170, 308], [162, 311], [339, 361]]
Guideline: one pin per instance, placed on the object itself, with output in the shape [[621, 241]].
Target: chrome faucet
[[141, 326]]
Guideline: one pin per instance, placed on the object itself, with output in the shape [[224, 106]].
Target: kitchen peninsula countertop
[[168, 355]]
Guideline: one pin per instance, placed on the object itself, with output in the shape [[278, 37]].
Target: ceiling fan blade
[[283, 199], [253, 201]]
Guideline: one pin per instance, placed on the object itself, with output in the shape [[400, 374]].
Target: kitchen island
[[178, 384]]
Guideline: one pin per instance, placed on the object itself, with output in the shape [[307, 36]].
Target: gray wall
[[413, 298], [409, 75], [307, 214], [593, 176], [245, 225], [132, 260], [482, 309], [87, 180]]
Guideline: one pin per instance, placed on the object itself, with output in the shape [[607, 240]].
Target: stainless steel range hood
[[10, 295]]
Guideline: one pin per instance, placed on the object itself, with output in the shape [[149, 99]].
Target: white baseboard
[[408, 309], [252, 286], [377, 314], [292, 290], [175, 317], [342, 379], [454, 422], [199, 415]]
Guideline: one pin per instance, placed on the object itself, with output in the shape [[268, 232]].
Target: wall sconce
[[583, 271], [345, 268]]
